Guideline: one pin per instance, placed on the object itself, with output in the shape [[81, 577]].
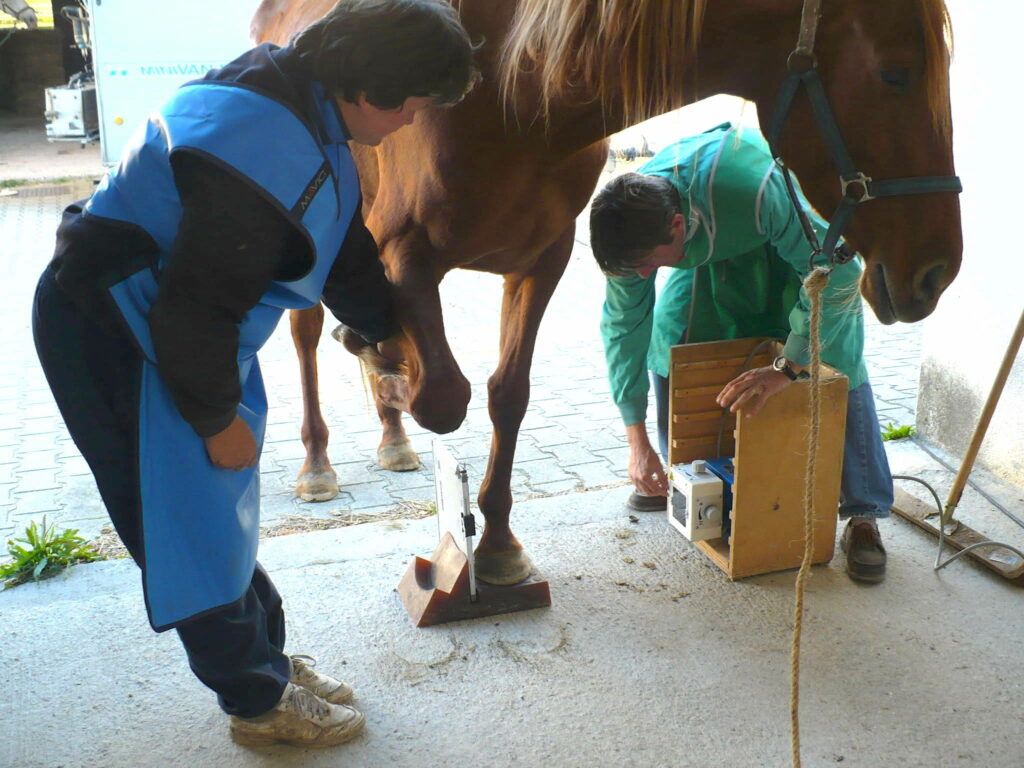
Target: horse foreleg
[[395, 452], [499, 557], [317, 480], [438, 393]]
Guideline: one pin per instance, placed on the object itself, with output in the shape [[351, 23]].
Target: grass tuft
[[892, 432], [43, 552]]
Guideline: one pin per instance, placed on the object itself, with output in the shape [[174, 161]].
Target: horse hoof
[[398, 457], [317, 486], [502, 568]]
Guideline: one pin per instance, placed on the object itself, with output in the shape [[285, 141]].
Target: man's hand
[[233, 447], [751, 390], [645, 469]]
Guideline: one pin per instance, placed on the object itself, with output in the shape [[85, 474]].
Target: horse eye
[[899, 78]]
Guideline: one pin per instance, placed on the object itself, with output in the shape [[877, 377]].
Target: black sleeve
[[228, 250], [357, 291]]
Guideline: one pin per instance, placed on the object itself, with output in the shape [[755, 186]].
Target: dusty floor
[[648, 657]]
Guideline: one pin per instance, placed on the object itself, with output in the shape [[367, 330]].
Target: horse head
[[885, 71]]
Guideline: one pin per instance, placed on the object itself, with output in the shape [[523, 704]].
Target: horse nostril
[[929, 282]]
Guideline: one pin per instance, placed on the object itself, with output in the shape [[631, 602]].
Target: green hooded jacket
[[744, 260]]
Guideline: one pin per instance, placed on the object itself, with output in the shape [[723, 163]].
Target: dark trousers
[[237, 650]]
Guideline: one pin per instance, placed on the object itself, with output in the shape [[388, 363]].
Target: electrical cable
[[939, 563]]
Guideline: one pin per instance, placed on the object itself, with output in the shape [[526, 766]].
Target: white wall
[[965, 339]]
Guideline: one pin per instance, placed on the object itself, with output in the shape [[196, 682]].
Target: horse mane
[[937, 35], [569, 44]]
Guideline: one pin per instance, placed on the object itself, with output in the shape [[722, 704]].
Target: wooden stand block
[[996, 559], [436, 591], [770, 455]]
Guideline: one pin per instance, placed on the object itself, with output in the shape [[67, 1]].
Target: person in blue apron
[[713, 210], [238, 200]]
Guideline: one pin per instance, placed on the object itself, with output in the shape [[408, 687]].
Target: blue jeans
[[866, 485]]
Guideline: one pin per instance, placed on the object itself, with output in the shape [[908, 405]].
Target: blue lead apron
[[200, 523]]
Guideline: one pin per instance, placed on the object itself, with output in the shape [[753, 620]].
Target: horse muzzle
[[892, 304]]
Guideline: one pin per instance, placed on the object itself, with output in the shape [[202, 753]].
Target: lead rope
[[814, 285]]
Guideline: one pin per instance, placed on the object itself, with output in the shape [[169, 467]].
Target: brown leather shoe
[[865, 555], [642, 503]]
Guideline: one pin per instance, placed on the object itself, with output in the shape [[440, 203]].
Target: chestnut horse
[[496, 183]]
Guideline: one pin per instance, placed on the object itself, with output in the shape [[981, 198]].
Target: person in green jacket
[[714, 209]]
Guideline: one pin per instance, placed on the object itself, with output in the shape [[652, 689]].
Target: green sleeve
[[671, 317], [626, 322]]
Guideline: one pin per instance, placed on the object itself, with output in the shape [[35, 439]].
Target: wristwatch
[[782, 365]]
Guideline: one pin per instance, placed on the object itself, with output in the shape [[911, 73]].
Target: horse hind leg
[[499, 557], [317, 480], [395, 451]]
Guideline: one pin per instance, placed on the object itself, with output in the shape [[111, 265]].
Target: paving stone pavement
[[571, 438]]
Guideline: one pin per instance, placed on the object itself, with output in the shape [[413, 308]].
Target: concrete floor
[[25, 153], [648, 657]]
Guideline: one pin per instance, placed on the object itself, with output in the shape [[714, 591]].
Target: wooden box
[[769, 450]]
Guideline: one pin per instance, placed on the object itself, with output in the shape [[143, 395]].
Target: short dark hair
[[629, 218], [391, 50]]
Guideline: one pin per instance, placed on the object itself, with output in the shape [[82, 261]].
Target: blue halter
[[855, 186]]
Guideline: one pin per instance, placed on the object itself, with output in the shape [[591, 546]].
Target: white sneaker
[[324, 686], [300, 718]]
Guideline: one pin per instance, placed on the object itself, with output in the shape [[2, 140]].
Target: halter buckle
[[843, 254], [801, 61], [861, 180]]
